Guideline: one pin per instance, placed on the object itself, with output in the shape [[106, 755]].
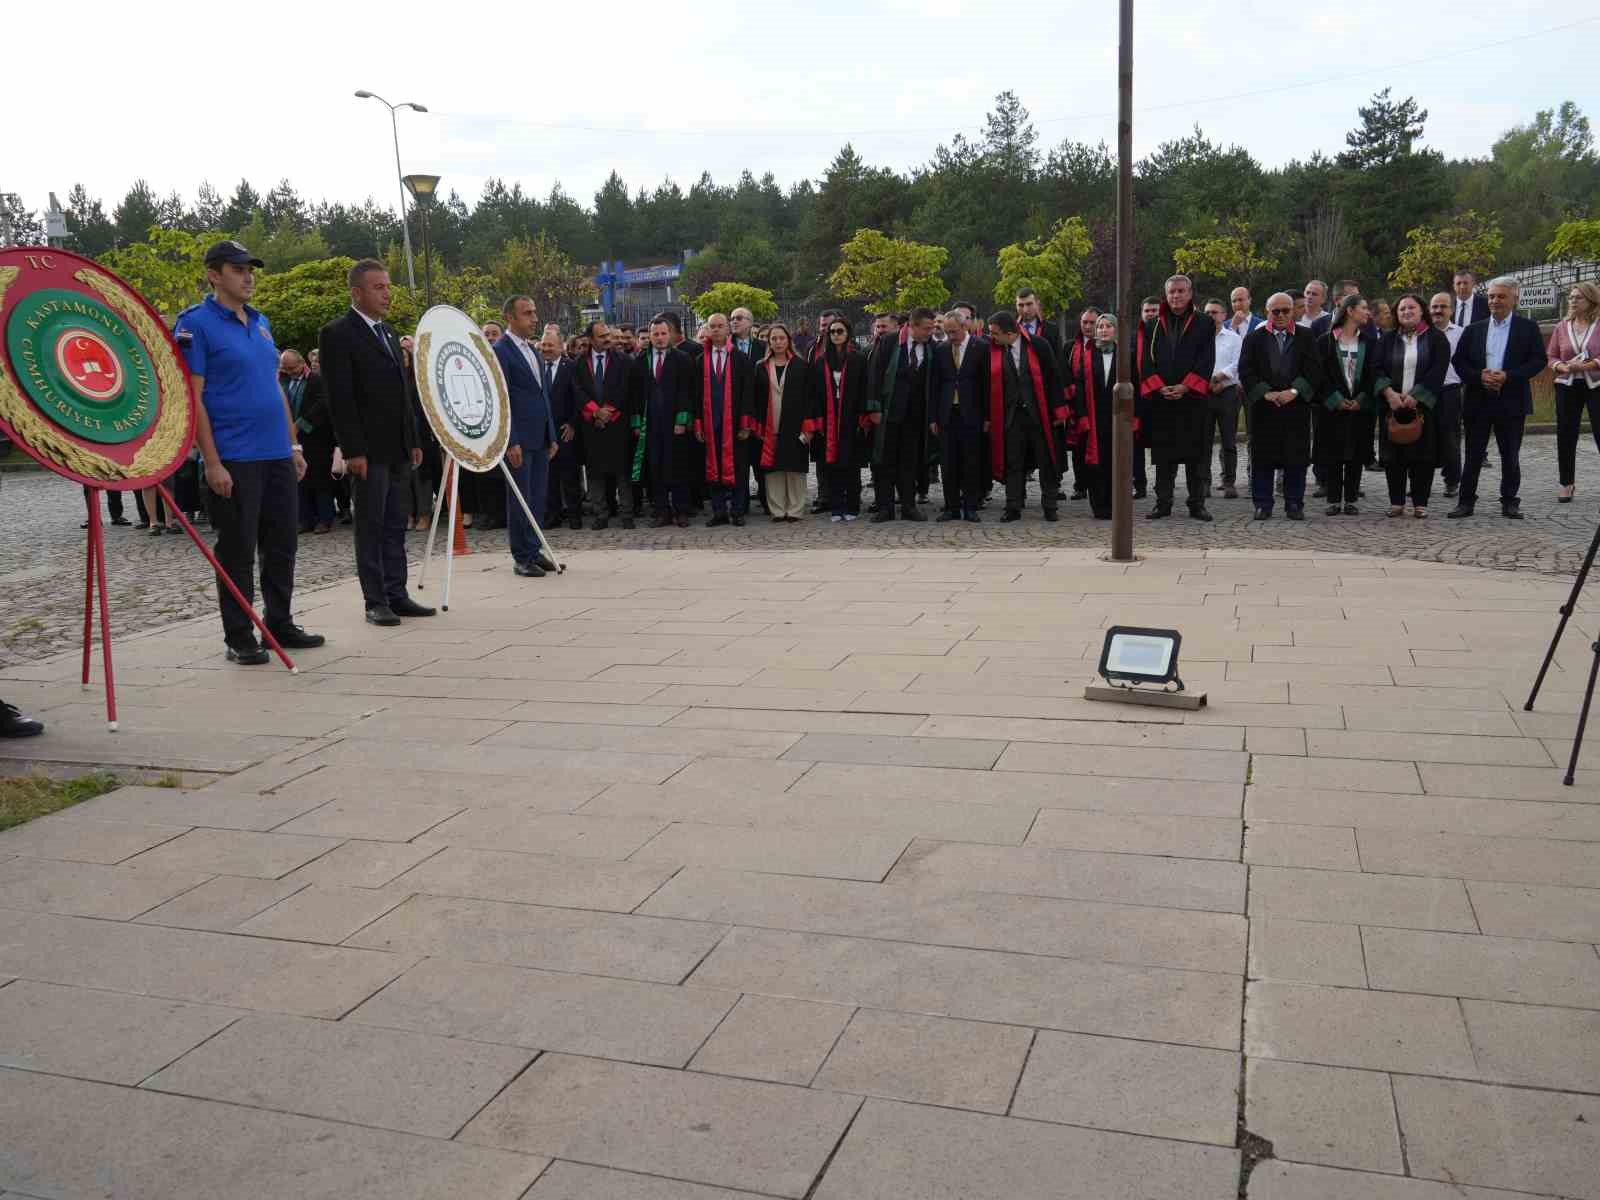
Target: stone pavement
[[700, 876], [155, 581]]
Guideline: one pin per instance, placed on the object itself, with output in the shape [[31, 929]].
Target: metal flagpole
[[1122, 402]]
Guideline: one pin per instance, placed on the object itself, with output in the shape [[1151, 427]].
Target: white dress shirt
[[1495, 342], [1408, 369], [1453, 332], [530, 352], [1229, 344]]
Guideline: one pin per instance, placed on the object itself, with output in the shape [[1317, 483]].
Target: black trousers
[[961, 467], [1571, 401], [1195, 475], [1418, 475], [260, 521], [383, 502], [1448, 414], [1222, 416], [1023, 433], [1343, 481], [903, 447], [565, 498], [1496, 418]]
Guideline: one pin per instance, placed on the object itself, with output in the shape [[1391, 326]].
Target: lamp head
[[1133, 656], [363, 94], [414, 106], [421, 187]]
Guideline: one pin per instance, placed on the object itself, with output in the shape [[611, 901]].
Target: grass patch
[[24, 797]]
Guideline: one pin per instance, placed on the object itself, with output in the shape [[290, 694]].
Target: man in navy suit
[[1497, 359], [529, 382], [961, 366]]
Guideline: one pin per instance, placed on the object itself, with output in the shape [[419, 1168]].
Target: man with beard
[[1027, 414], [1176, 358], [601, 381]]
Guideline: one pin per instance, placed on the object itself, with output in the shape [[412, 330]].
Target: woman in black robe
[[781, 410], [1412, 360], [1349, 366], [838, 382]]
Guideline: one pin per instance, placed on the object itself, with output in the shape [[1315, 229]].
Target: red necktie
[[658, 364]]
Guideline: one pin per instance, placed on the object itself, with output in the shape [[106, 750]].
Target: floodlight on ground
[[1140, 666]]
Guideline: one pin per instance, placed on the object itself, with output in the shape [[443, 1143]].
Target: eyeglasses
[[1279, 311], [839, 331]]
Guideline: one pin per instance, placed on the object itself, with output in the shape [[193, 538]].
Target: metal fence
[[1544, 287]]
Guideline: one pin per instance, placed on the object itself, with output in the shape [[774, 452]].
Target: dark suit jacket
[[1047, 331], [563, 397], [531, 425], [1524, 358], [606, 451], [367, 392], [972, 379], [1480, 309]]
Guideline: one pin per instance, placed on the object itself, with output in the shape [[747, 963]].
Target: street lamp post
[[422, 189], [394, 126], [1122, 398]]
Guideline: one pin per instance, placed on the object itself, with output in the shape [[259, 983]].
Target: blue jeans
[[532, 478], [1294, 485]]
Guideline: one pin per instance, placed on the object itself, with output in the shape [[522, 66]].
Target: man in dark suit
[[564, 500], [377, 433], [720, 406], [1031, 319], [1497, 359], [960, 366], [600, 379], [530, 379], [900, 395], [1470, 306], [658, 409]]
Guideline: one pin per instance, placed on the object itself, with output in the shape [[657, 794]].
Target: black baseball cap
[[231, 252]]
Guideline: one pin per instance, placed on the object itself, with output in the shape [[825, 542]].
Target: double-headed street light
[[423, 189], [405, 227]]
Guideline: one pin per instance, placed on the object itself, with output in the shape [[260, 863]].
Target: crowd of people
[[623, 423]]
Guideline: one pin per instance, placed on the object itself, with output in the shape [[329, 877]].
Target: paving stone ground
[[158, 580], [700, 875]]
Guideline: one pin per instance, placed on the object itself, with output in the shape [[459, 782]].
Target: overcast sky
[[179, 95]]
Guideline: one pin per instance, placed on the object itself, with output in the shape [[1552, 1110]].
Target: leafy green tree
[[1225, 258], [166, 266], [539, 267], [725, 297], [241, 207], [208, 209], [890, 272], [18, 226], [1389, 183], [284, 210], [301, 300], [614, 224], [1575, 241], [1052, 267], [89, 231], [136, 214], [1433, 253]]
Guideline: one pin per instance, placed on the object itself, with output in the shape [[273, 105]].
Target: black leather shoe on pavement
[[542, 561], [1460, 510], [1050, 514], [1511, 512], [1295, 514], [249, 654], [292, 637], [947, 516], [736, 521], [1158, 512], [716, 521], [382, 615], [913, 514], [1199, 514], [879, 517], [1010, 514], [528, 570], [1262, 513], [14, 725], [409, 608]]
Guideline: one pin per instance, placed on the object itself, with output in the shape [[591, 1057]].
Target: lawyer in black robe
[[1412, 360], [1027, 415], [1279, 359], [1092, 394], [722, 424], [838, 387], [1177, 350], [601, 382], [1347, 403], [659, 402], [900, 394]]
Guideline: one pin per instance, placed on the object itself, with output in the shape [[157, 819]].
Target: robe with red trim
[[836, 410], [1049, 401], [1176, 350], [721, 407], [780, 447]]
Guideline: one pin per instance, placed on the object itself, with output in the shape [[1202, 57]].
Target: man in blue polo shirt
[[252, 464]]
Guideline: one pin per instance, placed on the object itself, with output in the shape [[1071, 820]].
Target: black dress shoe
[[973, 517], [574, 522], [1010, 514], [528, 570], [1334, 510], [119, 521], [292, 637], [1451, 490], [249, 654], [1139, 493], [600, 523], [682, 520], [1511, 512], [1459, 511], [409, 608], [879, 517], [1158, 512], [1199, 514], [1079, 494], [913, 514], [14, 725], [542, 561], [627, 522], [716, 521], [736, 521], [1295, 514], [1350, 510], [1050, 514], [1101, 514], [383, 615], [1262, 512], [948, 516]]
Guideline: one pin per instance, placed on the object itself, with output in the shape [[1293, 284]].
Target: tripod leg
[[1567, 610], [433, 526], [450, 549], [1583, 717]]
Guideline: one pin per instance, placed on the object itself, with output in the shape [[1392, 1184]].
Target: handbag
[[1404, 433]]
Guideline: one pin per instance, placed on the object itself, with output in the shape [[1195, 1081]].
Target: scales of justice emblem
[[465, 391]]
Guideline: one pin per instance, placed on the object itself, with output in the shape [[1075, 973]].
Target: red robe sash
[[1089, 422], [833, 405], [769, 426], [719, 458], [997, 405]]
